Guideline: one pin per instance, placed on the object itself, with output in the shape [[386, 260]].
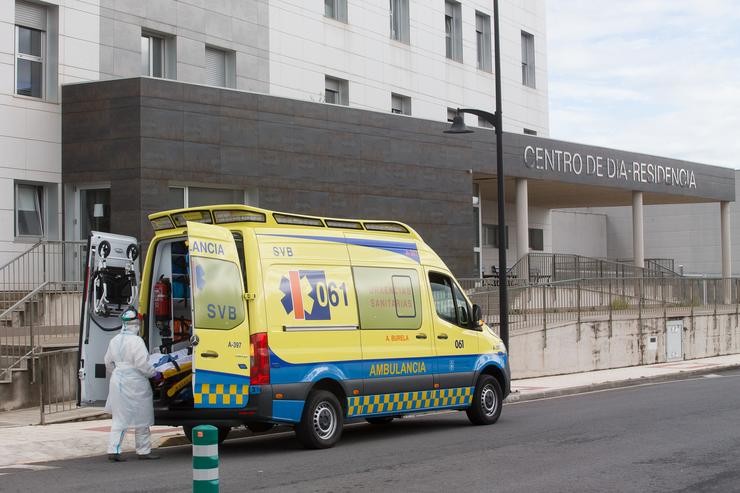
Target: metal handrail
[[23, 300]]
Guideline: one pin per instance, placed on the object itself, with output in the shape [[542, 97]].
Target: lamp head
[[458, 126]]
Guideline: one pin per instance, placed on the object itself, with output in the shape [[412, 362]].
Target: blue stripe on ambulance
[[282, 372], [404, 248]]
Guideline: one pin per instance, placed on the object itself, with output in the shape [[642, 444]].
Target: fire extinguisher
[[162, 302]]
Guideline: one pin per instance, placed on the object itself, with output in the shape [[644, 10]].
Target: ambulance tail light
[[259, 358]]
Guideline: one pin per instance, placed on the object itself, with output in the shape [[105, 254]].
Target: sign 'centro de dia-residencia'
[[545, 159]]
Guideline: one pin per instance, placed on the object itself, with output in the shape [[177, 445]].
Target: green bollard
[[205, 459]]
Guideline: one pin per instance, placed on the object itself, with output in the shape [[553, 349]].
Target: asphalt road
[[680, 436]]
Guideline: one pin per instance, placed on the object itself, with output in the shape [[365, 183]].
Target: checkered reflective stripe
[[409, 401], [220, 395]]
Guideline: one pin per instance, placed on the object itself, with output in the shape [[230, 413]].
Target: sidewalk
[[21, 443]]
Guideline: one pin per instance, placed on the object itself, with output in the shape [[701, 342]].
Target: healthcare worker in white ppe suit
[[130, 394]]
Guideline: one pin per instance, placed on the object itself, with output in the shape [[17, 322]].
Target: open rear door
[[221, 331], [111, 285]]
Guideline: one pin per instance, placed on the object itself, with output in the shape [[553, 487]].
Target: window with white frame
[[29, 210], [152, 55], [192, 196], [483, 40], [336, 9], [490, 235], [336, 91], [453, 31], [400, 21], [400, 105], [30, 49], [528, 59], [220, 65]]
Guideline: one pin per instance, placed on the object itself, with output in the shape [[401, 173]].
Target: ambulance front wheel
[[322, 421], [223, 432], [487, 401]]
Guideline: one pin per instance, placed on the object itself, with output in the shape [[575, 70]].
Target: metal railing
[[40, 296], [578, 300], [57, 380], [538, 268], [47, 317]]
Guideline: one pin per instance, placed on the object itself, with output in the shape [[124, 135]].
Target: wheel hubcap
[[488, 401], [324, 420]]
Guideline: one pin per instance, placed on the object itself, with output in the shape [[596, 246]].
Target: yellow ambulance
[[267, 318]]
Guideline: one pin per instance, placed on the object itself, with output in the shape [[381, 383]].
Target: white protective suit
[[130, 395]]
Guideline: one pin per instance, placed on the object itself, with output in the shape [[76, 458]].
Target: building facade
[[330, 108], [411, 57]]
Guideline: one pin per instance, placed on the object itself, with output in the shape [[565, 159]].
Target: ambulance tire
[[382, 420], [487, 402], [223, 432], [322, 421]]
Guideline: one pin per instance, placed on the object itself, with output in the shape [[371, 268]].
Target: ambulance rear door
[[220, 324], [111, 286]]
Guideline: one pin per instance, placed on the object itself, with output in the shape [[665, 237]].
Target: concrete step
[[6, 360]]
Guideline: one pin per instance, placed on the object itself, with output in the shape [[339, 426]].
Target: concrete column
[[638, 236], [522, 218], [724, 221], [724, 226]]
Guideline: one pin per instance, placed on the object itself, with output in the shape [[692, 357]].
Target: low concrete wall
[[599, 345]]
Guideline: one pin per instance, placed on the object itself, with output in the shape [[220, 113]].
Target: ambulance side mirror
[[477, 317]]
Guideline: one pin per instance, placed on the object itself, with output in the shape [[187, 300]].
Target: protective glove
[[158, 377]]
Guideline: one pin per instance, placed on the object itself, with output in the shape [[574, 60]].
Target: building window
[[30, 49], [453, 31], [483, 123], [29, 216], [336, 91], [336, 9], [490, 236], [188, 196], [483, 40], [529, 131], [220, 67], [400, 105], [400, 20], [528, 59], [152, 55], [536, 239]]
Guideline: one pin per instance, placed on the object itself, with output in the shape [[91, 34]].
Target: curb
[[616, 384]]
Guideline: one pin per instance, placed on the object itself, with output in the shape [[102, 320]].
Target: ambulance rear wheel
[[383, 420], [487, 402], [223, 432], [322, 420]]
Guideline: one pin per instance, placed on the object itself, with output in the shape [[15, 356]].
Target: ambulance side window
[[444, 302], [449, 301]]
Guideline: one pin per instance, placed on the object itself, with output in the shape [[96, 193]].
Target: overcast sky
[[655, 76]]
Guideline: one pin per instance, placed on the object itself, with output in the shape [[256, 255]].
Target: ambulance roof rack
[[223, 214]]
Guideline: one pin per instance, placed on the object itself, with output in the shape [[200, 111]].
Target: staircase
[[40, 299]]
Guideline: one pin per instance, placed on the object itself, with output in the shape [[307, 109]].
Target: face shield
[[130, 321]]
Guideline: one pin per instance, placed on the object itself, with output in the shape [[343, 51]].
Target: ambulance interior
[[170, 322]]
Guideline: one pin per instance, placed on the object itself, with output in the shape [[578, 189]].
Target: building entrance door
[[91, 205]]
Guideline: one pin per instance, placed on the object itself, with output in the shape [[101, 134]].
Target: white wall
[[581, 233], [30, 129], [305, 46]]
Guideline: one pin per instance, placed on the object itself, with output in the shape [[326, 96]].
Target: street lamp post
[[458, 127]]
